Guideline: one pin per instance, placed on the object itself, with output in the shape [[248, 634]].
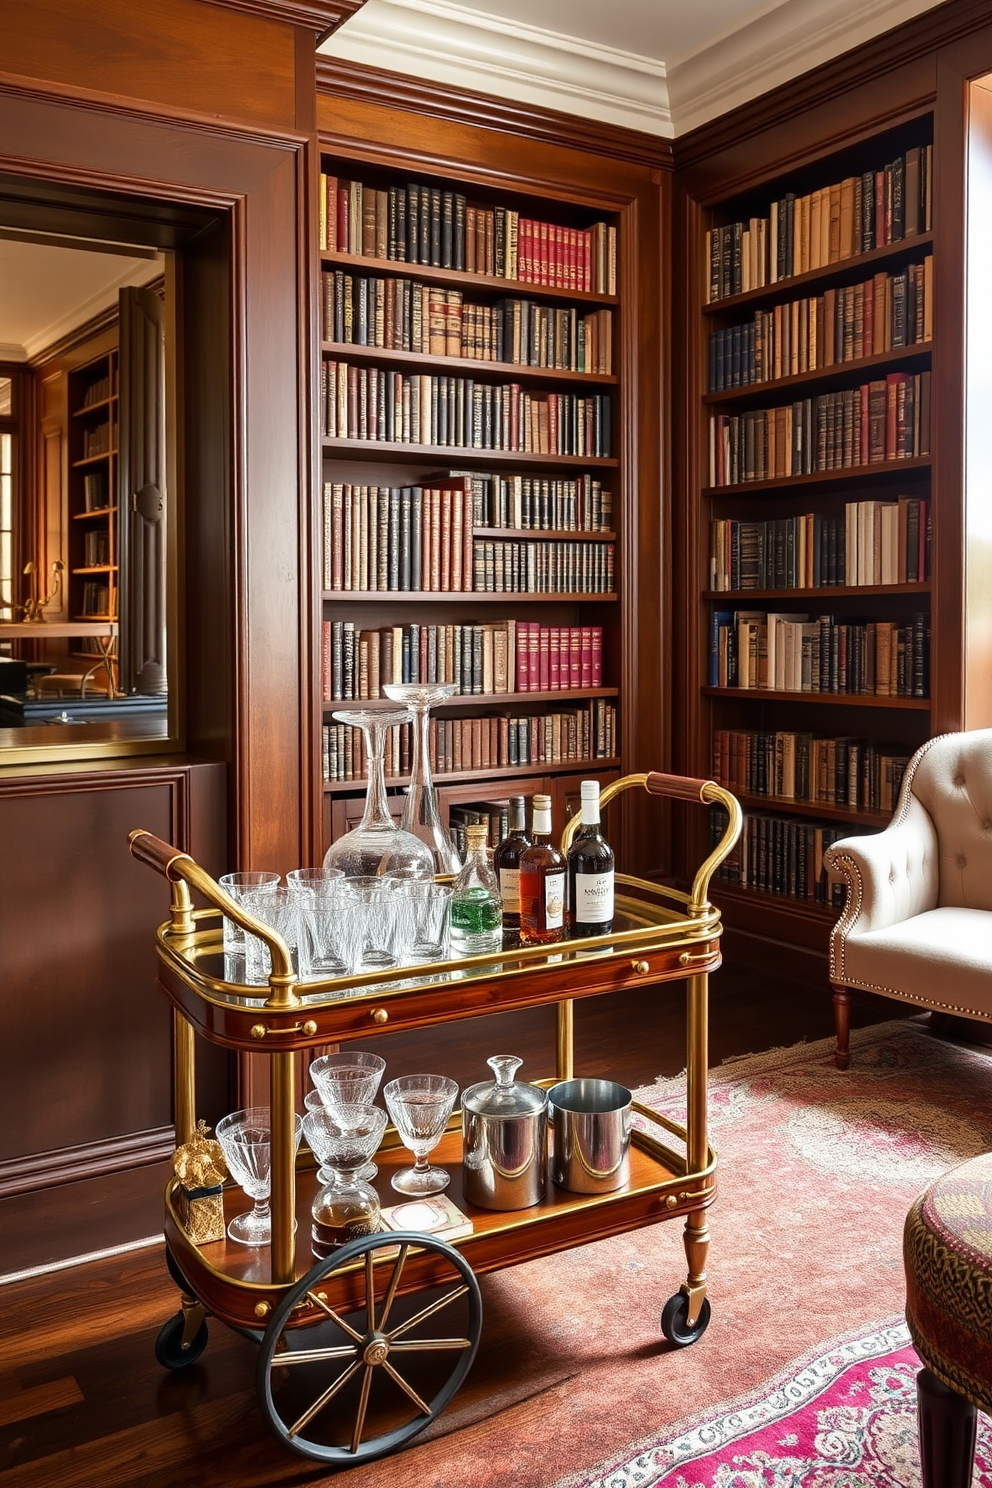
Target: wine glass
[[420, 1106], [348, 1080], [420, 814], [377, 843], [246, 1137]]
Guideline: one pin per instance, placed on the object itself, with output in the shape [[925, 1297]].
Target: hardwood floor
[[84, 1403]]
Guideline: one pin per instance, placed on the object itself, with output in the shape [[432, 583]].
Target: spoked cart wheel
[[674, 1322], [342, 1390]]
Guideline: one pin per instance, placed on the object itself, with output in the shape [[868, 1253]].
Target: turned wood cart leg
[[686, 1315], [842, 1023]]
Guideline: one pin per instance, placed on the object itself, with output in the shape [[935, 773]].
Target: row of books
[[887, 419], [840, 325], [98, 391], [793, 653], [376, 403], [874, 542], [96, 548], [780, 855], [413, 223], [532, 503], [95, 491], [790, 766], [556, 567], [480, 659], [493, 815], [99, 440], [802, 233], [99, 600], [403, 315], [488, 742]]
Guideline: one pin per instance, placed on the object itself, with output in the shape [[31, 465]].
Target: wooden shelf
[[100, 568], [514, 371], [851, 475], [472, 699], [465, 596], [537, 534], [738, 894], [487, 285], [835, 591], [817, 810], [492, 776], [835, 375], [846, 699], [450, 454], [841, 269], [97, 511], [92, 459], [104, 405]]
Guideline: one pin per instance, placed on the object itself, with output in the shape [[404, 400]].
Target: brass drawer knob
[[380, 1015], [641, 967]]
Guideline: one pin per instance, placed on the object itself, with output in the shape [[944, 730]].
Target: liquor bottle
[[506, 861], [590, 871], [476, 911], [542, 882]]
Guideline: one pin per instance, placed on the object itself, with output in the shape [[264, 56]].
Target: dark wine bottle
[[506, 861], [542, 882], [590, 871]]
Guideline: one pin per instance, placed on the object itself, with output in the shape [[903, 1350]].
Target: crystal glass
[[344, 1140], [420, 1106], [381, 921], [430, 905], [246, 1137], [347, 1080], [235, 886], [377, 843], [282, 910], [322, 893], [420, 814]]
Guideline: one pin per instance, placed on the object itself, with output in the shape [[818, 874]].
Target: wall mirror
[[89, 499]]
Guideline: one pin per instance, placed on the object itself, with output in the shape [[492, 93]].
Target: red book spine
[[585, 657], [534, 656], [575, 656], [523, 656], [544, 657], [554, 658], [523, 250], [596, 678]]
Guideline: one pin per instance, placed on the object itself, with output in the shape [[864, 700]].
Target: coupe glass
[[420, 814], [246, 1137], [420, 1106], [345, 1081], [377, 843]]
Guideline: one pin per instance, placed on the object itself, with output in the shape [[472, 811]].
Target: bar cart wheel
[[169, 1350], [673, 1320], [373, 1359]]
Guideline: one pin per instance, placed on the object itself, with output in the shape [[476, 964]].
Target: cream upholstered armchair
[[917, 919]]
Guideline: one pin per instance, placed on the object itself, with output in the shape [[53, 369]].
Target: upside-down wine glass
[[377, 844], [246, 1138], [420, 814], [420, 1106]]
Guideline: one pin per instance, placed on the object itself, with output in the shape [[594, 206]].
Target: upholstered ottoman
[[948, 1254]]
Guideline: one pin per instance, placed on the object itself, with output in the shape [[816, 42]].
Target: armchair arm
[[889, 877]]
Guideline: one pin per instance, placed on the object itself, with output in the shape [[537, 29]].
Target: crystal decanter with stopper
[[476, 908], [377, 845], [420, 814]]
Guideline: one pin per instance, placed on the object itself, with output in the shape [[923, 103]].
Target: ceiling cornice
[[454, 45], [339, 79], [920, 37], [322, 17]]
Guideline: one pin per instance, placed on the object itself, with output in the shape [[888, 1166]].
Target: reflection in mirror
[[83, 493]]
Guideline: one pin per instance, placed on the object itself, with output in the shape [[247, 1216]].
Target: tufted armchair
[[917, 919]]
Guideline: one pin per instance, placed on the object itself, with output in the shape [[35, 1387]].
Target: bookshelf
[[471, 478], [93, 488], [811, 529]]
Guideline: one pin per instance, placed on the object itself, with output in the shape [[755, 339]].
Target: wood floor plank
[[20, 1405]]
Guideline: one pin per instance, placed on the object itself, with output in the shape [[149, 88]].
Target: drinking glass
[[323, 897], [246, 1138], [345, 1081], [235, 886], [383, 923], [420, 814], [430, 906], [420, 1106], [282, 910], [377, 843]]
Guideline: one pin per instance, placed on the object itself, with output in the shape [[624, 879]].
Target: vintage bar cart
[[346, 1370]]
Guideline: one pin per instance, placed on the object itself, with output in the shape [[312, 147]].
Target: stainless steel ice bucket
[[591, 1121], [505, 1129]]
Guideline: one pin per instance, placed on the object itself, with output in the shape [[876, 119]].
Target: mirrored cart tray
[[659, 1187]]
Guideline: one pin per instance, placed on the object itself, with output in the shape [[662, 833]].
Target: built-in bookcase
[[92, 488], [471, 466], [814, 530]]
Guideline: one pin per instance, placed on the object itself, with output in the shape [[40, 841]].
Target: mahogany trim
[[363, 84], [44, 1170], [323, 17]]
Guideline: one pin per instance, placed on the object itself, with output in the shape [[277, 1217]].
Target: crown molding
[[322, 17], [11, 352], [884, 53], [459, 47], [355, 81]]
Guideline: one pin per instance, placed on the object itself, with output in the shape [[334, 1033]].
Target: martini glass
[[377, 844], [246, 1139], [346, 1082], [420, 814], [420, 1106]]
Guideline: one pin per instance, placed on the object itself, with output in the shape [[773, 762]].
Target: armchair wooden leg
[[842, 1023], [948, 1424]]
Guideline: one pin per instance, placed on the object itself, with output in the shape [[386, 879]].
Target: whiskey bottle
[[542, 882], [506, 861], [590, 871]]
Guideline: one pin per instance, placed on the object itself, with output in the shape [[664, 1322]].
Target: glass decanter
[[347, 1206], [476, 906], [377, 844], [420, 814]]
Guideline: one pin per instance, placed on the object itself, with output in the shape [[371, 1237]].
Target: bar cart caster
[[675, 1320], [375, 1352], [183, 1338]]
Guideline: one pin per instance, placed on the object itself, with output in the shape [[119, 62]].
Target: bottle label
[[593, 898], [554, 901], [509, 889]]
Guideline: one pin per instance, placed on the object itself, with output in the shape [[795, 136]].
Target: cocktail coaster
[[435, 1215]]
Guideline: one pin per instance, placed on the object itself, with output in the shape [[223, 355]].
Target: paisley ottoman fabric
[[948, 1252]]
